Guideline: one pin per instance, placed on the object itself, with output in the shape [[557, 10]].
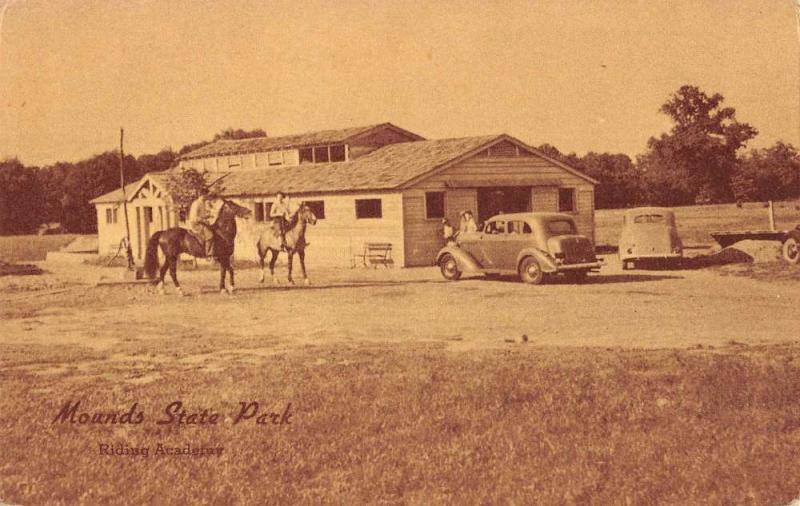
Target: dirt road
[[638, 309]]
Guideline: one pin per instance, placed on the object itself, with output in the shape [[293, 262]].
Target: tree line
[[701, 159], [30, 196]]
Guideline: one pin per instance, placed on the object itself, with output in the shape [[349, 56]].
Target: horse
[[270, 240], [175, 241]]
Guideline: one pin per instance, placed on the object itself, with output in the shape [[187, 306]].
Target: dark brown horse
[[175, 241], [270, 240]]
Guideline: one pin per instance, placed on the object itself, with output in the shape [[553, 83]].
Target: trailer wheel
[[791, 248]]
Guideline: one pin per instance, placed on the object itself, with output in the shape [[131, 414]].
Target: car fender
[[466, 263], [546, 262]]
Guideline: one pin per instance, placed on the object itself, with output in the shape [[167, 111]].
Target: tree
[[20, 198], [619, 179], [185, 185], [768, 174], [695, 161]]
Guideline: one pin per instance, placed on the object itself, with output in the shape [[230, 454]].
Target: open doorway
[[505, 199]]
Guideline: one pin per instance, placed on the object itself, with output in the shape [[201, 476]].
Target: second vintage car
[[530, 245], [649, 234]]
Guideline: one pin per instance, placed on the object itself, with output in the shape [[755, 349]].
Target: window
[[267, 210], [649, 218], [337, 153], [317, 207], [566, 200], [148, 215], [495, 227], [306, 155], [561, 227], [114, 215], [321, 154], [109, 216], [519, 227], [368, 208], [434, 205], [275, 157], [259, 211]]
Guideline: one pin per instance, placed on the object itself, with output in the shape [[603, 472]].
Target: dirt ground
[[634, 309], [627, 388]]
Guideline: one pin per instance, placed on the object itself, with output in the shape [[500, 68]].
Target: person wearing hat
[[202, 215], [280, 215]]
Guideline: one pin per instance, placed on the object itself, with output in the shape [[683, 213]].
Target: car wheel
[[530, 271], [791, 248], [576, 276], [449, 268]]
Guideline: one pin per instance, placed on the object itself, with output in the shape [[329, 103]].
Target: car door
[[493, 245]]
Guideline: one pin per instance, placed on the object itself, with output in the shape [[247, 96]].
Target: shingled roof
[[112, 197], [388, 168], [262, 144]]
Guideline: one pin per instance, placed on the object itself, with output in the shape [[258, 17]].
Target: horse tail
[[151, 256]]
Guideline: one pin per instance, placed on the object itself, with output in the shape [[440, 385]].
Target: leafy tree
[[695, 160], [185, 185], [20, 198], [768, 174], [619, 179]]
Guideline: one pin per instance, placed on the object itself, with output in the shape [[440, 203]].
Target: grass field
[[410, 425], [696, 222], [31, 248]]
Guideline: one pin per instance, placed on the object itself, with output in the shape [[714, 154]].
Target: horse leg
[[302, 255], [229, 269], [272, 260], [222, 271], [161, 274], [291, 258], [261, 255], [173, 272]]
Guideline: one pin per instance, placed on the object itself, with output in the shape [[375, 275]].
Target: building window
[[109, 216], [434, 205], [259, 211], [114, 215], [306, 155], [317, 207], [321, 154], [148, 215], [566, 200], [337, 153], [275, 157], [368, 208]]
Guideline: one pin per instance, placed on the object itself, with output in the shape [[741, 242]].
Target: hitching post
[[129, 251]]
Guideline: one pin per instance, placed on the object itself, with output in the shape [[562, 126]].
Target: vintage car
[[530, 245], [649, 234]]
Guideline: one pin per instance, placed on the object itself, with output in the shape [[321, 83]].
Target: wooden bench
[[375, 253]]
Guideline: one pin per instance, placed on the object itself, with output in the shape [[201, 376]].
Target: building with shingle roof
[[378, 183]]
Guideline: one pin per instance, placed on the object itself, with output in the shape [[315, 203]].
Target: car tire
[[790, 249], [530, 271], [449, 268]]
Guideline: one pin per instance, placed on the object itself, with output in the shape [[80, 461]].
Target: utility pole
[[129, 251]]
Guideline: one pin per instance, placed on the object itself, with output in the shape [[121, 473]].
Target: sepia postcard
[[439, 252]]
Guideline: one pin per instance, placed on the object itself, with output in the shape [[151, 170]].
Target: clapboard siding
[[423, 236], [335, 238]]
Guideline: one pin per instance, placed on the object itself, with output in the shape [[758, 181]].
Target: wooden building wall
[[335, 238], [503, 166]]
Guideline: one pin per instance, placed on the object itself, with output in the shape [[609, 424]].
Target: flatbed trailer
[[789, 239]]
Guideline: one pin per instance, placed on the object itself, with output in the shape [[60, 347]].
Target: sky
[[580, 75]]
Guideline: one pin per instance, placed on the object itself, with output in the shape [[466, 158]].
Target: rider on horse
[[280, 215], [202, 215]]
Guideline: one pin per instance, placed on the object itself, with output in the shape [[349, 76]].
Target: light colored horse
[[270, 240]]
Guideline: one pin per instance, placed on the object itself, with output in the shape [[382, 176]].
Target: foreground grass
[[417, 424]]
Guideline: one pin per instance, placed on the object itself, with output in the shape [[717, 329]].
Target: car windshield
[[649, 218], [561, 227]]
